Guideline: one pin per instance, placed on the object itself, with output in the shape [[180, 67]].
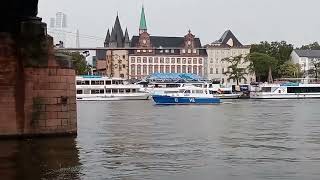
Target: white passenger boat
[[97, 88], [285, 91]]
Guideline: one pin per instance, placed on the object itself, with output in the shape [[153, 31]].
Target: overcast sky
[[252, 21]]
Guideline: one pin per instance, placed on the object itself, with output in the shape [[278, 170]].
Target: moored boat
[[186, 95], [97, 88], [285, 91]]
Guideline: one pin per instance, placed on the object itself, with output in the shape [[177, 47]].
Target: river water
[[238, 140]]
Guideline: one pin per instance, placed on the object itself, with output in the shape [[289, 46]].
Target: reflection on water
[[245, 139], [53, 158]]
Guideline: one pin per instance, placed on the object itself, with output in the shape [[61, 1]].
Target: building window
[[139, 60], [145, 70], [156, 69], [184, 61], [156, 60], [200, 61], [228, 80], [133, 70], [133, 60], [222, 70], [122, 75], [150, 51], [144, 50], [150, 69], [189, 69], [178, 69], [178, 60], [144, 59], [184, 68], [138, 50], [124, 57], [167, 69], [200, 70], [211, 60], [173, 70], [195, 70], [211, 70], [150, 60], [172, 51], [183, 51], [139, 69], [217, 71], [189, 60], [162, 60], [167, 51], [162, 69], [194, 51], [189, 51], [167, 60], [173, 60], [194, 60], [217, 60]]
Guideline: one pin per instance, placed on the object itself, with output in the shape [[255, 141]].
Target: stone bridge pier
[[37, 85]]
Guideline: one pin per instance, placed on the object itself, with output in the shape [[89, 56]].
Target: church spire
[[107, 40], [143, 22]]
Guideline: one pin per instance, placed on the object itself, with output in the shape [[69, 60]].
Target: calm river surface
[[242, 140]]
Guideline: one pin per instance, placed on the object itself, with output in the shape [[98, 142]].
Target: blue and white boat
[[186, 95]]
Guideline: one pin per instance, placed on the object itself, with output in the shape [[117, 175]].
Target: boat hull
[[284, 96], [168, 100], [124, 97]]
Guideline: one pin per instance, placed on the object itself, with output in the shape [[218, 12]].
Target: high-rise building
[[58, 28]]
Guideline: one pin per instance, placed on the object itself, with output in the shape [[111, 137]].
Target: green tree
[[260, 63], [79, 62], [280, 51], [312, 46], [289, 70], [234, 71]]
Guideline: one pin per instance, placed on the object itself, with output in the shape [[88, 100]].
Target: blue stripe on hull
[[184, 100]]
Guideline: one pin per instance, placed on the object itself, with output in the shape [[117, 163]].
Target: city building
[[305, 59], [114, 62], [59, 28], [227, 46], [164, 54]]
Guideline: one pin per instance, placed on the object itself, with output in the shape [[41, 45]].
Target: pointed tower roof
[[229, 39], [107, 40], [143, 22], [126, 36], [113, 37]]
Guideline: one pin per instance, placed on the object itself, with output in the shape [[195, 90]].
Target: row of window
[[106, 91], [146, 70], [162, 60], [99, 82]]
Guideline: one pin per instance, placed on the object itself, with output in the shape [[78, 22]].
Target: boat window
[[114, 91], [127, 90], [121, 91], [79, 91], [83, 82], [187, 91], [108, 82], [108, 91], [194, 91], [97, 91], [134, 90], [117, 82], [86, 91], [266, 89], [303, 89], [97, 82], [199, 91]]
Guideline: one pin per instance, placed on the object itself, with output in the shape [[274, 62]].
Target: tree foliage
[[234, 71], [289, 70], [79, 62], [312, 46], [260, 63]]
